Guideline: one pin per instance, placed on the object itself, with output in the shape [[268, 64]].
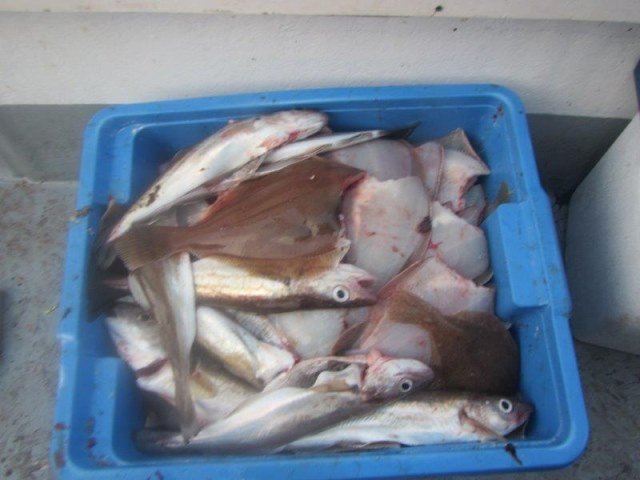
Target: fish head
[[342, 286], [295, 124], [500, 415], [387, 378]]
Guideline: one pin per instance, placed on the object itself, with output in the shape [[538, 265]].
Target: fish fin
[[484, 277], [389, 287], [476, 426], [240, 175], [168, 285], [348, 338], [144, 244], [458, 140], [503, 196], [105, 253], [403, 132]]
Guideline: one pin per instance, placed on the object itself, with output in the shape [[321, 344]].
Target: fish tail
[[143, 245]]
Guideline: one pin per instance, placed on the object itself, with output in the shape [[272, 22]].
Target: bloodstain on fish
[[394, 249], [425, 225]]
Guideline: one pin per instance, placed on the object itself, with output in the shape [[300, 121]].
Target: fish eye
[[340, 294], [505, 405], [406, 385]]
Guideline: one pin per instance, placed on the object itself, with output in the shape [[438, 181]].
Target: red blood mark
[[59, 426], [293, 136], [434, 245], [394, 249], [370, 234], [422, 341]]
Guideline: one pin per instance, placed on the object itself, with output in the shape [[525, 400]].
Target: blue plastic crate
[[99, 407]]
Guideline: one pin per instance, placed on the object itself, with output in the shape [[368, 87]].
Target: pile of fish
[[292, 289]]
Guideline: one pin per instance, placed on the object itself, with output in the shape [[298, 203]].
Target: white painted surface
[[594, 10], [603, 258], [561, 67]]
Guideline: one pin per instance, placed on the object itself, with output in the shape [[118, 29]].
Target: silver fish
[[167, 288], [240, 352], [423, 419], [232, 149], [278, 285], [264, 423], [137, 338], [300, 150], [381, 377]]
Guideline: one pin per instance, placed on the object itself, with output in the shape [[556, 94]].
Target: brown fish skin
[[468, 351], [288, 213]]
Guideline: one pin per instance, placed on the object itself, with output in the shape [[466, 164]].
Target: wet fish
[[437, 284], [430, 164], [462, 166], [300, 150], [289, 213], [383, 159], [231, 149], [423, 419], [137, 338], [313, 333], [475, 204], [460, 245], [278, 285], [261, 327], [264, 423], [166, 287], [469, 351], [381, 377], [388, 378], [384, 221], [237, 350]]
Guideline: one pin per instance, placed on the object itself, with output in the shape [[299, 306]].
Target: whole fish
[[229, 149], [313, 333], [469, 351], [166, 287], [439, 285], [277, 285], [423, 419], [462, 166], [382, 159], [460, 245], [384, 221], [137, 338], [382, 377], [264, 423], [238, 351], [289, 213]]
